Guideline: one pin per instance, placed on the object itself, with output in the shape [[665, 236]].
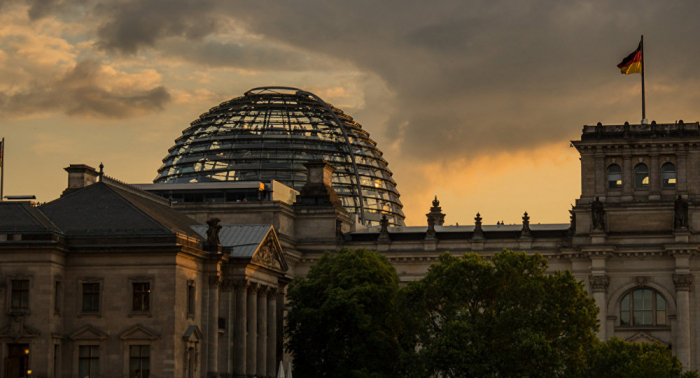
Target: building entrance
[[17, 361]]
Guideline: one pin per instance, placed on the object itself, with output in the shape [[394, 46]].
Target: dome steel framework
[[269, 133]]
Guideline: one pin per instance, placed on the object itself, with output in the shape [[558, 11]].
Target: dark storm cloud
[[468, 76], [133, 25], [80, 92], [252, 55]]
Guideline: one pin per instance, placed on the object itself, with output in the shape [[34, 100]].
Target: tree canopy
[[501, 318], [341, 319], [619, 359]]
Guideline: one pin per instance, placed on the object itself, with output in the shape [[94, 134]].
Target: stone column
[[239, 355], [681, 171], [226, 311], [252, 344], [654, 175], [213, 327], [599, 288], [683, 283], [627, 176], [280, 318], [272, 333], [601, 181], [262, 333]]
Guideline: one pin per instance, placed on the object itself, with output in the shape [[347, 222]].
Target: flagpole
[[644, 107], [2, 168]]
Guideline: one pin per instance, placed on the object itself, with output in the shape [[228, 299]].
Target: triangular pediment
[[139, 332], [269, 253], [192, 334], [18, 330], [88, 332], [644, 338]]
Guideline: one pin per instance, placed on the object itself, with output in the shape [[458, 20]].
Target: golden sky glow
[[472, 101]]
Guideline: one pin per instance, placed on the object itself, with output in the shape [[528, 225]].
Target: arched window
[[641, 176], [668, 175], [643, 307], [614, 177]]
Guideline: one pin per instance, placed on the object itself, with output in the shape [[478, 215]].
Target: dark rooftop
[[646, 131]]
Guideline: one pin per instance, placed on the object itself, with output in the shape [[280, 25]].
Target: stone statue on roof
[[598, 214], [680, 213], [213, 231]]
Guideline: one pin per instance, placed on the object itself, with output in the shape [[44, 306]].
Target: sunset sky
[[472, 101]]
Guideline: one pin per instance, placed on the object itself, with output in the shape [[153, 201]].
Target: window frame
[[141, 280], [90, 359], [140, 358], [81, 286], [654, 309], [191, 299], [619, 172], [664, 184], [91, 298], [23, 299], [639, 185]]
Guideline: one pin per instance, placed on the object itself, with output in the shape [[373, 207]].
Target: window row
[[641, 176], [141, 294], [139, 361]]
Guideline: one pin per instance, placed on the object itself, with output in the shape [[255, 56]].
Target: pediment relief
[[644, 338], [88, 332], [269, 254], [192, 334], [17, 329], [139, 332]]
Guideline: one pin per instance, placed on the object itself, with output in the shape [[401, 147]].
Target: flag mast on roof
[[634, 63], [2, 167]]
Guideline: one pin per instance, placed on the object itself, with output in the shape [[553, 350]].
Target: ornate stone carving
[[680, 214], [213, 231], [641, 280], [525, 232], [16, 329], [267, 255], [436, 213], [254, 287], [430, 234], [214, 280], [683, 282], [478, 231], [572, 220], [384, 230], [599, 283], [598, 214]]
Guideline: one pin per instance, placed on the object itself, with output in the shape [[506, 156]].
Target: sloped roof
[[22, 217], [244, 239], [101, 209]]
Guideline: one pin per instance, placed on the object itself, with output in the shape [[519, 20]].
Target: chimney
[[79, 176], [318, 190]]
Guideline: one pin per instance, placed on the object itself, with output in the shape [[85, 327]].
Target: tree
[[501, 318], [619, 359], [342, 319]]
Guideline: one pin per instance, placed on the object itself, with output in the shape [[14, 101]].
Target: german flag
[[632, 63]]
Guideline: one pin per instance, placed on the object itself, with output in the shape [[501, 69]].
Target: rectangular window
[[139, 361], [91, 297], [88, 361], [190, 298], [142, 292], [20, 295], [57, 298]]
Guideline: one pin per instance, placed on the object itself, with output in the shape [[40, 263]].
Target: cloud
[[133, 25], [88, 89]]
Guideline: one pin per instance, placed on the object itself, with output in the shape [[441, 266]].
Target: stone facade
[[631, 235], [109, 282], [633, 241]]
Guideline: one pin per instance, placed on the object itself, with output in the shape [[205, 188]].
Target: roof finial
[[102, 167]]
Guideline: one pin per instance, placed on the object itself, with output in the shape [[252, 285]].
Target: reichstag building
[[186, 277]]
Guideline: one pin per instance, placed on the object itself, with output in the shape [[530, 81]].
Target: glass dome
[[269, 133]]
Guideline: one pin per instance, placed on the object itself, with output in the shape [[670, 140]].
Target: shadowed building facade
[[633, 240]]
